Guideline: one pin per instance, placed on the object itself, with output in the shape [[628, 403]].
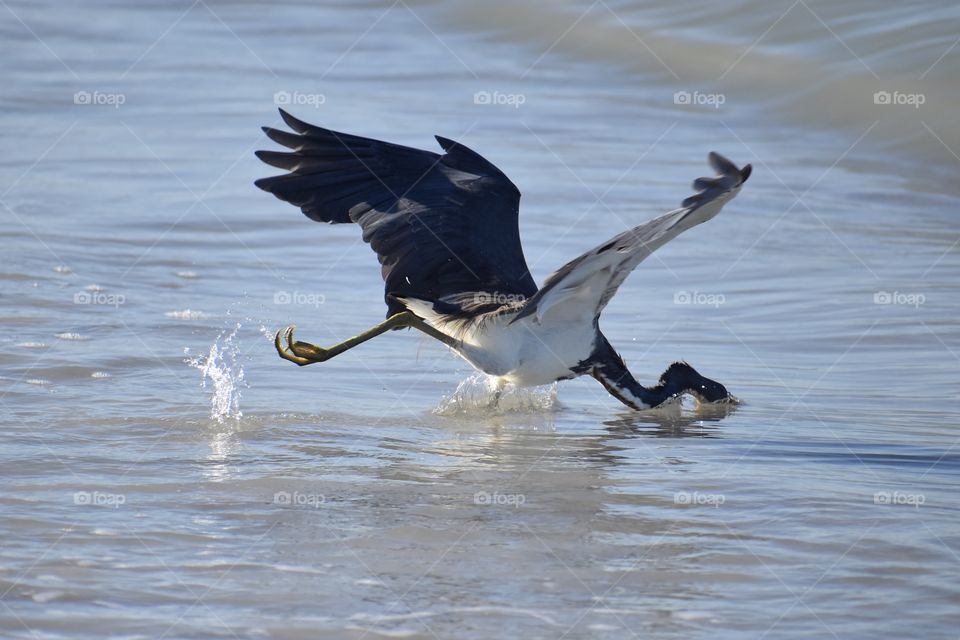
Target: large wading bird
[[445, 230]]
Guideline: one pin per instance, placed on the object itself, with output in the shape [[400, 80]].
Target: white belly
[[525, 353]]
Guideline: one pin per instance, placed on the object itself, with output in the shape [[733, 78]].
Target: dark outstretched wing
[[440, 224], [584, 286]]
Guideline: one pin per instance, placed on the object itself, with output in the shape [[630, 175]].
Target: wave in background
[[888, 73]]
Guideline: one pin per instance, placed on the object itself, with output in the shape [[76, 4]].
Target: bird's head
[[680, 377]]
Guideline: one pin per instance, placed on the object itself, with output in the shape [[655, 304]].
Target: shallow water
[[168, 476]]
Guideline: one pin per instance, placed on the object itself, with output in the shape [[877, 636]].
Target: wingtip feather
[[721, 164], [727, 169], [297, 125], [264, 184], [279, 159], [446, 143], [290, 140]]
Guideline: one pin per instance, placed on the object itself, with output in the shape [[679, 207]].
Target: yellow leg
[[304, 353]]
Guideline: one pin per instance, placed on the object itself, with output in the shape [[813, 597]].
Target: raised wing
[[440, 224], [585, 285]]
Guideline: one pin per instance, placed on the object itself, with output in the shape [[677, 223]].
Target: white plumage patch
[[526, 353], [424, 309]]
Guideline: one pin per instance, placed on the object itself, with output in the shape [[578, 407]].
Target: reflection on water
[[225, 446], [672, 422]]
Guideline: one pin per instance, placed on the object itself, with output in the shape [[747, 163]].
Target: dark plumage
[[440, 224]]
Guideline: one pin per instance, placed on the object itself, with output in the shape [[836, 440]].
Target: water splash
[[477, 396], [222, 370]]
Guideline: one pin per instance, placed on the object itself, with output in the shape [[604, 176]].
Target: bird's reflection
[[672, 422]]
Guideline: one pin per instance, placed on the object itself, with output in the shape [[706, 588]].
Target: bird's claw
[[299, 353]]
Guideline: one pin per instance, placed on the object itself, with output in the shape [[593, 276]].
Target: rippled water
[[166, 475]]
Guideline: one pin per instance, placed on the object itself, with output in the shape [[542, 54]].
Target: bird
[[445, 229]]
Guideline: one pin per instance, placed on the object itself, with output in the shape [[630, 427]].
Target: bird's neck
[[625, 388], [610, 370]]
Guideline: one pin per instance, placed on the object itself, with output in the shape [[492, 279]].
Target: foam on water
[[188, 314], [71, 336], [222, 370], [476, 396]]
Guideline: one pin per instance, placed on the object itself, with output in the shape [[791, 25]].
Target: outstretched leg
[[304, 353]]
